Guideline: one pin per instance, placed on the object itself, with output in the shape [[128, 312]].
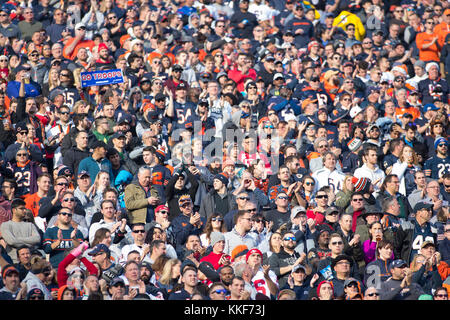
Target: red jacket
[[237, 76], [62, 275]]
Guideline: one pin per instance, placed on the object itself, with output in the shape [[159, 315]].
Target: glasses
[[337, 243], [3, 15], [373, 294], [354, 285], [217, 219], [81, 28], [310, 183], [269, 127], [290, 239], [65, 214], [163, 212], [62, 184], [322, 197], [351, 29], [271, 114], [64, 113], [220, 291], [64, 74], [442, 145], [33, 55], [251, 210], [139, 231], [69, 199], [244, 198], [323, 146], [442, 296], [283, 198], [356, 200], [112, 17], [23, 132], [259, 221], [22, 154]]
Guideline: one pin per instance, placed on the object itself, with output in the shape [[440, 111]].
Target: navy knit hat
[[222, 177]]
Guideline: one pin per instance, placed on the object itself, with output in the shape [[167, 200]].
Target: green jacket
[[136, 202]]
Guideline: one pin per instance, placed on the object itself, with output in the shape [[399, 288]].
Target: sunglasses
[[269, 127], [23, 132], [65, 214], [217, 219], [220, 291], [310, 183], [22, 154], [259, 221], [244, 198], [442, 296], [290, 239], [64, 74], [186, 204], [337, 243], [283, 198], [354, 285], [442, 145], [373, 294], [357, 200], [64, 113], [163, 212], [139, 231], [69, 199], [33, 55], [62, 184], [322, 197]]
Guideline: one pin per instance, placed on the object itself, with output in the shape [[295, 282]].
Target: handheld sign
[[101, 78]]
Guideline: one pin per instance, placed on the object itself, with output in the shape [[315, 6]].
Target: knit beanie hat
[[238, 251], [216, 237], [251, 251], [354, 144], [222, 177], [361, 184], [320, 285]]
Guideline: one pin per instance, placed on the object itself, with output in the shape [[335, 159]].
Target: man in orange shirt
[[74, 44], [443, 28], [32, 201], [427, 43]]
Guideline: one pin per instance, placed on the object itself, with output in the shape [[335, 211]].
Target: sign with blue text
[[101, 78]]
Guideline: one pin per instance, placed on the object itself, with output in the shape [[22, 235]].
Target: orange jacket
[[444, 270], [442, 29]]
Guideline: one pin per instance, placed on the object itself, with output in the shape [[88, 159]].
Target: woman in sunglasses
[[214, 223], [24, 170]]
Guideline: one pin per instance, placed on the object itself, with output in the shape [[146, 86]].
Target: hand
[[60, 235], [355, 240], [266, 269], [145, 249], [123, 224], [311, 224], [313, 280], [194, 219], [73, 234], [245, 295], [153, 200]]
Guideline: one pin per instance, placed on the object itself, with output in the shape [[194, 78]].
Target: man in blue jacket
[[97, 161]]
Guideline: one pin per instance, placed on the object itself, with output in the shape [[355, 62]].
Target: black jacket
[[73, 157]]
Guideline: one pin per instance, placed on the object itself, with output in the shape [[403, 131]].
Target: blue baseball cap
[[429, 106], [397, 264]]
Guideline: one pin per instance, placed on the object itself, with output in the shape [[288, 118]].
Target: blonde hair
[[166, 274]]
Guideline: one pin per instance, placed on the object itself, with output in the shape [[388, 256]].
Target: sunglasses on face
[[22, 154], [65, 214], [62, 184], [23, 132], [217, 219], [290, 239], [139, 231], [163, 212], [220, 291], [310, 183], [283, 198], [352, 285], [357, 200], [259, 221], [244, 198], [69, 199], [64, 113], [322, 197], [373, 294], [269, 127], [337, 243]]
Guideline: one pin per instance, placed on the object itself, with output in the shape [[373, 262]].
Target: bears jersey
[[22, 175], [437, 166], [182, 113]]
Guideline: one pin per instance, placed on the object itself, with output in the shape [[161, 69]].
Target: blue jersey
[[182, 113], [22, 176], [438, 166], [66, 244], [420, 235]]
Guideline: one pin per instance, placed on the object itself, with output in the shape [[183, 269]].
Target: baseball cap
[[80, 25], [161, 207], [181, 86], [160, 96], [355, 111], [100, 248], [298, 267], [277, 76], [331, 210], [397, 264], [22, 126], [429, 106], [251, 251], [83, 173], [177, 67], [114, 282], [349, 281], [427, 243], [118, 135], [296, 210], [422, 205]]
